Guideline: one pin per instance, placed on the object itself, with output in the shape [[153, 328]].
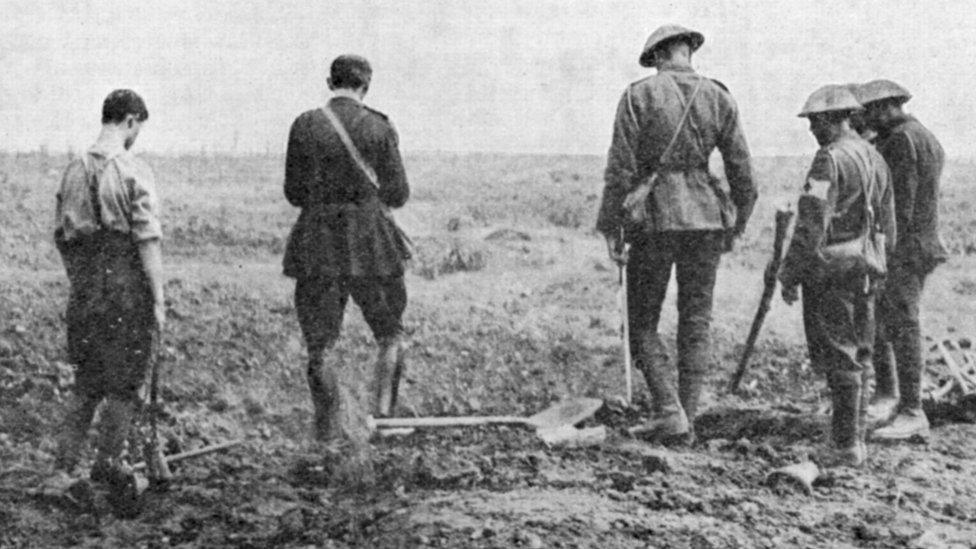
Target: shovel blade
[[566, 413]]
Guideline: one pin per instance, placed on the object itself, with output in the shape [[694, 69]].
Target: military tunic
[[344, 242], [106, 206], [916, 160], [839, 312], [686, 204]]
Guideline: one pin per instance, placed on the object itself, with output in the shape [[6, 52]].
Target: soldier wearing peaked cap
[[846, 198], [915, 158], [661, 199], [343, 169]]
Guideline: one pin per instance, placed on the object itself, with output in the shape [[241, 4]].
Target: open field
[[512, 306]]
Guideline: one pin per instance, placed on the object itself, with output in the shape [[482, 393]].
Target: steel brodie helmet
[[830, 98], [879, 90], [664, 34]]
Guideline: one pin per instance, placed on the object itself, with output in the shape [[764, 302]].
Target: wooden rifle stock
[[783, 218]]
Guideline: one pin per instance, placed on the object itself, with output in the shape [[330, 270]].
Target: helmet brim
[[695, 40]]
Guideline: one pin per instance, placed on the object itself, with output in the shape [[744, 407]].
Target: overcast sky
[[517, 76]]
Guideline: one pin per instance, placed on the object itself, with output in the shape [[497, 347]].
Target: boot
[[385, 379], [118, 416], [668, 422], [668, 425], [74, 432], [884, 403], [906, 425], [846, 432], [399, 370], [323, 384], [689, 394]]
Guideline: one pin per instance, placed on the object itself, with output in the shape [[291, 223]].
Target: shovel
[[559, 416]]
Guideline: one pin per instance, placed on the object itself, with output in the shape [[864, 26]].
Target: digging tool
[[159, 473], [558, 416], [801, 475], [625, 325], [193, 453], [783, 218]]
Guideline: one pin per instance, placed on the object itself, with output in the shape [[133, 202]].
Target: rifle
[[159, 472], [783, 218]]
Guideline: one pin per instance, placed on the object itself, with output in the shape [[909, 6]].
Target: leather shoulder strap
[[684, 115], [91, 178], [357, 157]]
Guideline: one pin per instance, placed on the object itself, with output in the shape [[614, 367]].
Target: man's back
[[684, 197], [319, 169], [853, 165], [916, 160]]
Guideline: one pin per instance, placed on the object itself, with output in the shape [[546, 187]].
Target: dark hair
[[122, 103], [665, 47], [350, 71]]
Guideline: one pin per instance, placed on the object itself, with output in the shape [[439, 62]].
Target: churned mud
[[512, 307]]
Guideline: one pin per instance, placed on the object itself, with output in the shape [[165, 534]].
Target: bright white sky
[[498, 75]]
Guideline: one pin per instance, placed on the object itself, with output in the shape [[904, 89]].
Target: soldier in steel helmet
[[848, 184], [661, 199], [344, 243], [915, 158]]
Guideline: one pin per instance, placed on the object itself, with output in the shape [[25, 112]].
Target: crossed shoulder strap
[[357, 157]]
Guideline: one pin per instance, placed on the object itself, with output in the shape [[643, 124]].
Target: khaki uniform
[[838, 313], [916, 159], [686, 205]]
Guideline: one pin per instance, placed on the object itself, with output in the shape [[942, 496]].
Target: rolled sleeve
[[144, 208]]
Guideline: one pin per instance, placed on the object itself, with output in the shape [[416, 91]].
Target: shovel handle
[[435, 422], [193, 453]]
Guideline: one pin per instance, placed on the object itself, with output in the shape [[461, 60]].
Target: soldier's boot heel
[[384, 376], [846, 432], [323, 384], [74, 432]]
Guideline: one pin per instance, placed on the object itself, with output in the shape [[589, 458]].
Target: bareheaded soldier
[[343, 169], [915, 158], [847, 189], [661, 200], [108, 234]]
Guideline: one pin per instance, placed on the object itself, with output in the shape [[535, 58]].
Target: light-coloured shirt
[[126, 196]]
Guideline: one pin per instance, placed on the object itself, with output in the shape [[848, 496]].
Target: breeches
[[840, 327], [695, 257], [898, 326], [321, 304], [112, 353]]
